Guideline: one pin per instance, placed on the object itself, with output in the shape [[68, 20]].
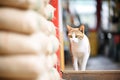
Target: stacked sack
[[28, 42]]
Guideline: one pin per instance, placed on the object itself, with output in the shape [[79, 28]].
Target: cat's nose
[[75, 40], [81, 38]]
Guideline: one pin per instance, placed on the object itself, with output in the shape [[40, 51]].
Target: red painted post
[[55, 20]]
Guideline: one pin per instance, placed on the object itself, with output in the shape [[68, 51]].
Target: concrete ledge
[[92, 75]]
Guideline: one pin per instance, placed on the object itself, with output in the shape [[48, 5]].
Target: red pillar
[[55, 20]]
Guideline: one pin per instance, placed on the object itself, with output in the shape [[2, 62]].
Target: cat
[[79, 47]]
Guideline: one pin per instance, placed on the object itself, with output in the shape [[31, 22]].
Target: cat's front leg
[[84, 62], [75, 63]]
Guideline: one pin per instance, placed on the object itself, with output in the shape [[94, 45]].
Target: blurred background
[[102, 26]]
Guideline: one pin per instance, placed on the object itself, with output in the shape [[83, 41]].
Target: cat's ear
[[82, 28], [69, 27]]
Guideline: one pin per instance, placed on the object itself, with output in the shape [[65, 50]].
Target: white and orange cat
[[79, 46]]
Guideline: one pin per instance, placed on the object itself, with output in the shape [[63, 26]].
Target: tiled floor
[[99, 63]]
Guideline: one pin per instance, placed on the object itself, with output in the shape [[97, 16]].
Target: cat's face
[[75, 34]]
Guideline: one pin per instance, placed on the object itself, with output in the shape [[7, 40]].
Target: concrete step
[[91, 75]]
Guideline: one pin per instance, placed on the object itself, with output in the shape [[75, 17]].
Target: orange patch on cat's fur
[[79, 47], [79, 32]]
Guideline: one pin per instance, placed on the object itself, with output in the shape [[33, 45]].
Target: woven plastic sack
[[14, 43], [51, 60], [27, 66], [26, 22], [54, 75], [25, 4], [54, 42], [49, 12]]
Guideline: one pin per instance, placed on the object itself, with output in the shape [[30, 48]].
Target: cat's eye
[[70, 36], [76, 36]]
